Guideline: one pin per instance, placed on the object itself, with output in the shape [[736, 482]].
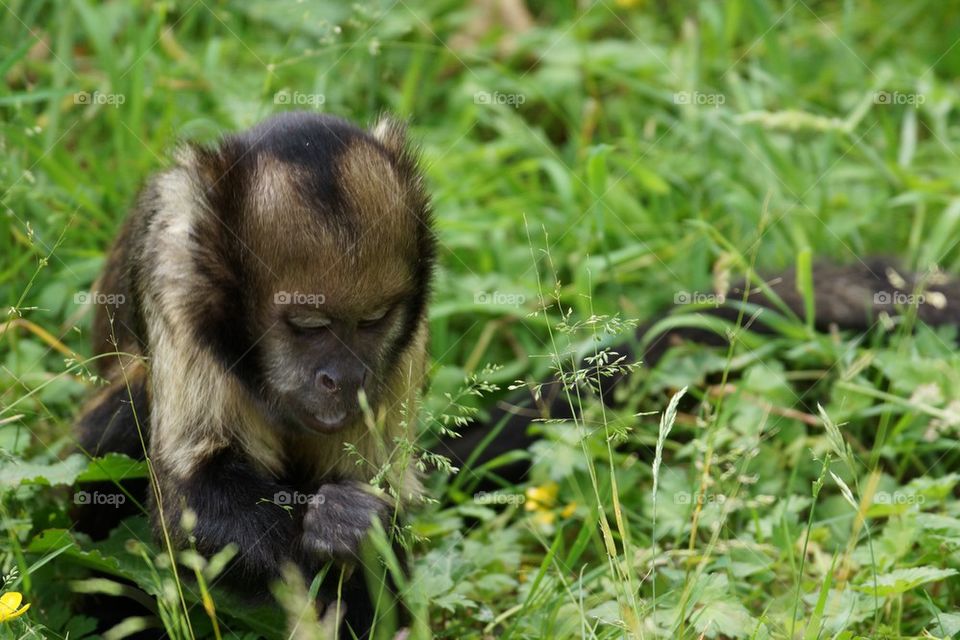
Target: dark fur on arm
[[109, 423], [236, 504], [232, 504]]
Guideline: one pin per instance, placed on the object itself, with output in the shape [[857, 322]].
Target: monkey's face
[[335, 247], [320, 362]]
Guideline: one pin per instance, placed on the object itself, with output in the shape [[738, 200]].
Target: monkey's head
[[315, 254]]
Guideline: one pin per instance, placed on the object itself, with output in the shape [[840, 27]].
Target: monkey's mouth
[[323, 421]]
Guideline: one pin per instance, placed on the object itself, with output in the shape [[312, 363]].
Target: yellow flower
[[541, 500], [569, 510], [544, 518], [10, 606], [543, 497]]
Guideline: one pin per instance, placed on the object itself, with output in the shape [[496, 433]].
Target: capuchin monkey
[[273, 294]]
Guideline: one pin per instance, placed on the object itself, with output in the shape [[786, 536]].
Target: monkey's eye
[[372, 319], [308, 322]]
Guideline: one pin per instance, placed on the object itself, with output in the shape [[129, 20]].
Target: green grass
[[593, 193]]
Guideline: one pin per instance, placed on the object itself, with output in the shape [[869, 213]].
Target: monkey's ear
[[208, 164], [391, 133]]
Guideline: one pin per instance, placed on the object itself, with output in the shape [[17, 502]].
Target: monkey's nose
[[327, 382]]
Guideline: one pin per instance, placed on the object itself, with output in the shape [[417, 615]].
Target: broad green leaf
[[724, 618], [62, 472], [114, 466], [902, 580]]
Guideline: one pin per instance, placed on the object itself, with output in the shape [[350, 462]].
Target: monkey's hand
[[338, 519]]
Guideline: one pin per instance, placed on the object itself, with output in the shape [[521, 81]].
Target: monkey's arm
[[234, 503]]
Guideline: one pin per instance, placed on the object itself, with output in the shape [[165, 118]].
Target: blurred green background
[[615, 153], [625, 136]]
